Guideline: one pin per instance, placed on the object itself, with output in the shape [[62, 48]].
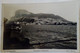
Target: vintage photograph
[[39, 26]]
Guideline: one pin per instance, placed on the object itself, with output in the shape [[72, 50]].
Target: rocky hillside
[[39, 19]]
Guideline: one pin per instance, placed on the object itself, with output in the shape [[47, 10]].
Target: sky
[[67, 10]]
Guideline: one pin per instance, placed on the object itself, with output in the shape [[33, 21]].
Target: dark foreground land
[[48, 37]]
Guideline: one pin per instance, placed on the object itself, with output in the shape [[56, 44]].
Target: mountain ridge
[[40, 18]]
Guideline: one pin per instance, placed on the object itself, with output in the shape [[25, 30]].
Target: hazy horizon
[[67, 10]]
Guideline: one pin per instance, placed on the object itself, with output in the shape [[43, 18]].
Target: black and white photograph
[[40, 26]]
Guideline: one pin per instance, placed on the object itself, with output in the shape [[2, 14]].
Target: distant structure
[[5, 20]]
